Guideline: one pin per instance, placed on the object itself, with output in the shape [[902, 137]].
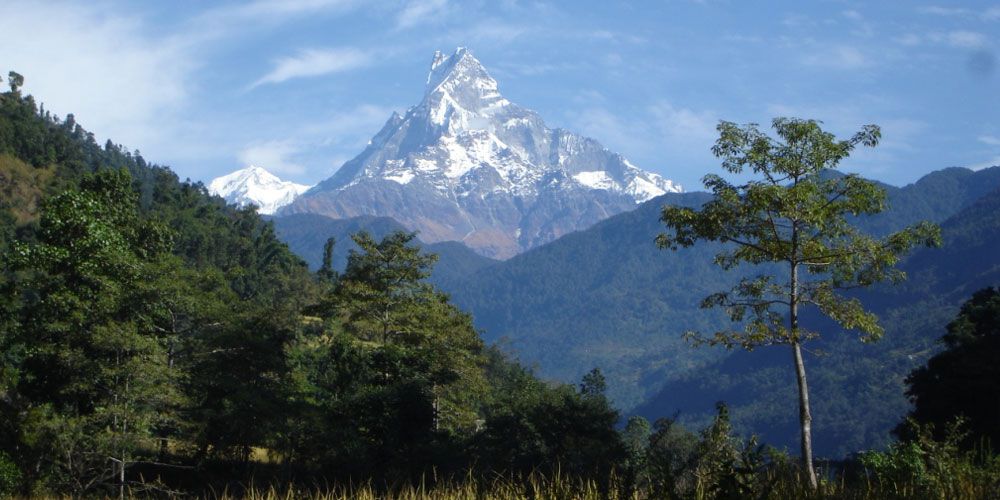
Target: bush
[[928, 467], [10, 475], [718, 465]]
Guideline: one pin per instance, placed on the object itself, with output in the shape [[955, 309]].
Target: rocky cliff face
[[468, 165]]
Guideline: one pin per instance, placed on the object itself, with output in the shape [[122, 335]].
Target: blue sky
[[299, 86]]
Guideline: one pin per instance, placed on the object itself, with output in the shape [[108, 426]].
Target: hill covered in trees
[[149, 330], [607, 297]]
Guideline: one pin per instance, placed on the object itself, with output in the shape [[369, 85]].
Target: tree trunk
[[164, 445], [121, 479], [805, 416], [436, 408]]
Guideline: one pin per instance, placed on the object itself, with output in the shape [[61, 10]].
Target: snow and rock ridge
[[466, 164], [255, 185]]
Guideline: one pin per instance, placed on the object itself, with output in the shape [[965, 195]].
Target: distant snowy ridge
[[254, 185], [466, 164]]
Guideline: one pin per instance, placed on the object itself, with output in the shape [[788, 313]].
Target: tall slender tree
[[795, 214], [326, 270]]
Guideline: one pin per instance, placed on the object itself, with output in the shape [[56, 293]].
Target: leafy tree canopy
[[963, 381]]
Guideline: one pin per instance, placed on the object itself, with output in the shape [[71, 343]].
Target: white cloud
[[796, 20], [601, 124], [419, 11], [938, 10], [960, 38], [275, 156], [838, 57], [616, 37], [235, 16], [859, 25], [314, 62], [236, 19], [743, 39], [104, 66], [908, 39], [852, 15], [990, 14], [267, 8], [963, 39], [992, 162], [312, 150], [685, 125], [351, 127], [900, 135], [533, 69], [662, 137], [989, 140], [484, 32], [495, 31]]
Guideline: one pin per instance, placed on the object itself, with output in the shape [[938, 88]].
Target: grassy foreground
[[777, 486]]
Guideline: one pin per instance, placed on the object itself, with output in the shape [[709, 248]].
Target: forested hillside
[[857, 387], [155, 340], [608, 298]]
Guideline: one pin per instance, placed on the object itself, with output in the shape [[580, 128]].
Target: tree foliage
[[963, 381], [92, 378], [796, 212]]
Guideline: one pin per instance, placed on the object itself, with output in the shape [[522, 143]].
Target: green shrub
[[932, 468], [10, 475]]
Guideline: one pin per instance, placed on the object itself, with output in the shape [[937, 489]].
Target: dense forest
[[156, 342]]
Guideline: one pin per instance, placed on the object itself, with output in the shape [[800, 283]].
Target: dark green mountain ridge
[[857, 389], [607, 297]]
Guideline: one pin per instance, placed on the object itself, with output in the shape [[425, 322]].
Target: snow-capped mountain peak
[[460, 68], [255, 185], [466, 164], [460, 93]]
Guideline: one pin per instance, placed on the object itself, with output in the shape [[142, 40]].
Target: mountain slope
[[467, 165], [254, 185], [607, 297]]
